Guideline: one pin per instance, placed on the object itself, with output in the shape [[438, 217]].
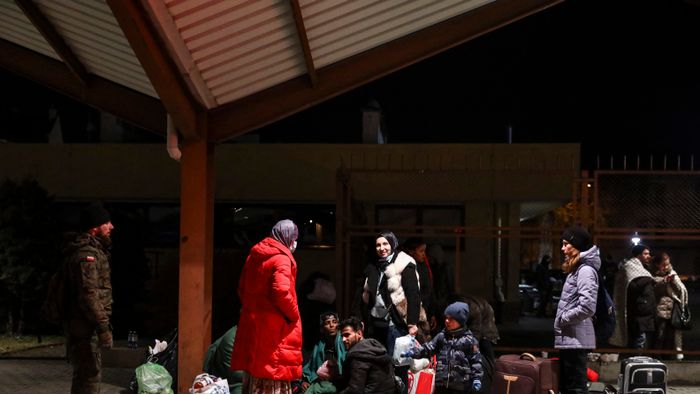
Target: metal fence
[[658, 205]]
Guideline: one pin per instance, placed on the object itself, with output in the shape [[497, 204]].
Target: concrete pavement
[[43, 376], [36, 376], [42, 371]]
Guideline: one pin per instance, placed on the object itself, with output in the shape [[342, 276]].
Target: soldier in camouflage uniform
[[87, 326]]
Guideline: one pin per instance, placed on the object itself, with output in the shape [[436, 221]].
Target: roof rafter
[[134, 107], [273, 104], [304, 42], [158, 65], [51, 35]]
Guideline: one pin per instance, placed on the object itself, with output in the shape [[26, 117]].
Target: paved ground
[[41, 371], [53, 376]]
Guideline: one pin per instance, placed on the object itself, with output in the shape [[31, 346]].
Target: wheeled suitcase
[[525, 374], [642, 374]]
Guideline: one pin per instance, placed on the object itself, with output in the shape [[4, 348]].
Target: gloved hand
[[476, 385], [105, 339]]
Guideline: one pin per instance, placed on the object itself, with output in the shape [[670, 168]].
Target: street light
[[635, 239]]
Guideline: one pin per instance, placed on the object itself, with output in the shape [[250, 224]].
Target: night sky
[[620, 77]]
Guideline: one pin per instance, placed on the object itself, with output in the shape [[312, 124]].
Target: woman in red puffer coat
[[268, 341]]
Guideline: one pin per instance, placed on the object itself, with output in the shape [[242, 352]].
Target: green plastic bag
[[153, 379]]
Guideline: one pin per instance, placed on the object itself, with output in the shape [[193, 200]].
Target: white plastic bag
[[159, 347], [209, 384], [419, 364], [401, 345]]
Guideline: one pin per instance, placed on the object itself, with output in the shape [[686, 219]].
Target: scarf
[[286, 232], [630, 270]]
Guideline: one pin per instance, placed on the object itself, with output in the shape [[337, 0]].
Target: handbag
[[680, 316]]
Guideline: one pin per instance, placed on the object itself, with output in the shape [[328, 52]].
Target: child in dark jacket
[[459, 368]]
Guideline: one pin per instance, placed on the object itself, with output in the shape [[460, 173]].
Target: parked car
[[529, 299]]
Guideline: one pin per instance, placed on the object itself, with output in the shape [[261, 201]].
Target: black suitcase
[[642, 374]]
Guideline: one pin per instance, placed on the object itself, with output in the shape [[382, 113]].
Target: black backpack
[[604, 317], [55, 306]]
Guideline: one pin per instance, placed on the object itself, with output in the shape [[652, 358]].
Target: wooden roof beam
[[137, 108], [48, 31], [278, 102], [304, 42], [159, 67]]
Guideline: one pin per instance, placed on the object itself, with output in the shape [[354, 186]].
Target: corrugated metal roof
[[232, 48], [239, 47], [226, 50], [338, 29], [16, 27], [92, 32]]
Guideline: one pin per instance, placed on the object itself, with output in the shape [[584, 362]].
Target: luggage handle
[[528, 356]]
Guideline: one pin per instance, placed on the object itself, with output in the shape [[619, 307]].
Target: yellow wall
[[488, 180], [304, 172]]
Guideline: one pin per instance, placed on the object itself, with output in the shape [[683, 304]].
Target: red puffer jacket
[[268, 341]]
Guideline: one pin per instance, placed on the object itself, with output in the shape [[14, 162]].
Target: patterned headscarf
[[286, 232]]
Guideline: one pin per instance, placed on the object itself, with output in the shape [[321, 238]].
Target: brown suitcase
[[525, 374]]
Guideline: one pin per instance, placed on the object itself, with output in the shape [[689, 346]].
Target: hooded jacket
[[573, 326], [268, 341], [459, 361], [368, 369]]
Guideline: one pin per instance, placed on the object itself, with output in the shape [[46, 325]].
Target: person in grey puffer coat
[[574, 334], [459, 363]]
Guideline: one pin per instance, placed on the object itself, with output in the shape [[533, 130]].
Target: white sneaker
[[679, 357]]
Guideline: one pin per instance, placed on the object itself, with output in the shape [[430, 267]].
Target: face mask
[[293, 247]]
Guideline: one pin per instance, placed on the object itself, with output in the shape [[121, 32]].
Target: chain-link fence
[[667, 201]]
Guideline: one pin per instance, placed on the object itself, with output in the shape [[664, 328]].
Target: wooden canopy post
[[196, 186], [196, 256]]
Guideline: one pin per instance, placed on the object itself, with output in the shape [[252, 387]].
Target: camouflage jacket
[[87, 263]]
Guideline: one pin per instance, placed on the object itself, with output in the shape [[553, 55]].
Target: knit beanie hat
[[458, 311], [639, 249], [94, 215], [578, 237]]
